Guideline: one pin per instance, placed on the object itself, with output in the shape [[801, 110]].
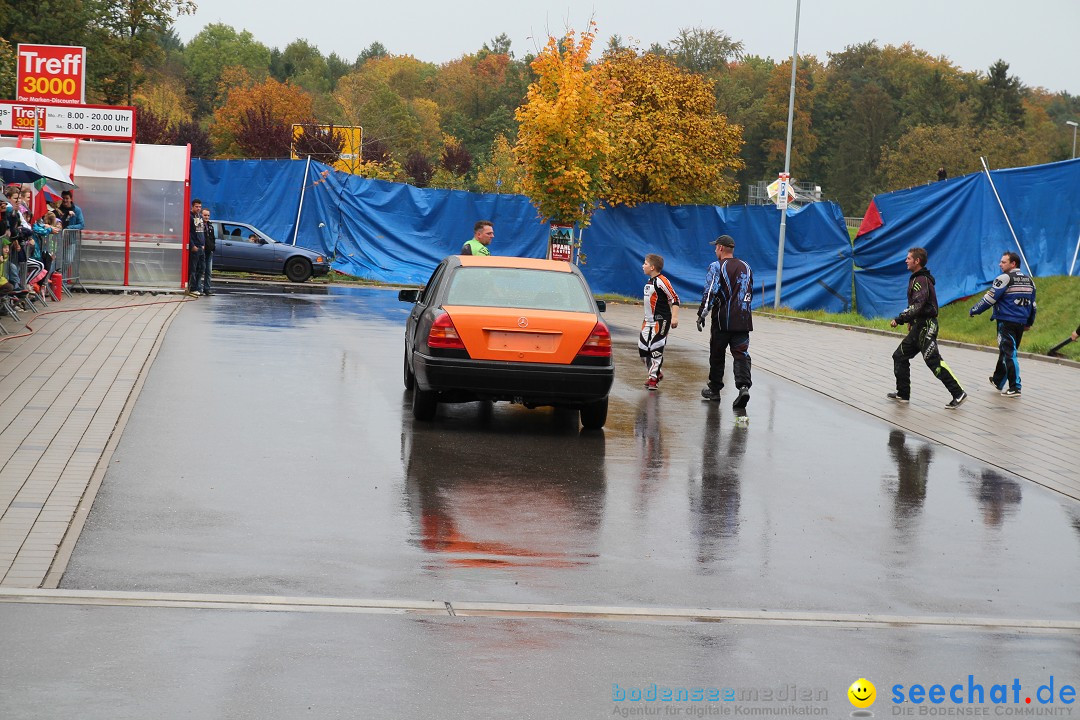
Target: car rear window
[[519, 288]]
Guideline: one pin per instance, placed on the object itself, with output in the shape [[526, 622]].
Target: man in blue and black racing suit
[[1013, 298], [729, 287]]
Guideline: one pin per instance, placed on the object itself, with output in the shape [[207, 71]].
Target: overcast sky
[[1038, 38]]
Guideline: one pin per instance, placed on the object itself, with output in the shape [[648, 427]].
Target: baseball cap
[[725, 240]]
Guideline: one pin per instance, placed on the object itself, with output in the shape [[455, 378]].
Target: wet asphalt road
[[133, 664], [272, 452]]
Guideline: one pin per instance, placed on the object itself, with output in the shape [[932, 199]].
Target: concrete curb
[[523, 611]]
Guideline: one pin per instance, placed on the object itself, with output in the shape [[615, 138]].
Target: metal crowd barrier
[[66, 250]]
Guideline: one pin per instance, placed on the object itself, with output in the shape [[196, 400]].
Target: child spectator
[[661, 314]]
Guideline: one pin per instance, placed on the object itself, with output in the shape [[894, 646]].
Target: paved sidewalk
[[63, 389], [1034, 437]]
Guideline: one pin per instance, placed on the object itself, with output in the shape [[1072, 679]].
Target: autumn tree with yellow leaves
[[669, 143], [502, 173], [564, 133]]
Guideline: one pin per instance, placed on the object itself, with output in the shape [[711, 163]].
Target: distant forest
[[868, 118]]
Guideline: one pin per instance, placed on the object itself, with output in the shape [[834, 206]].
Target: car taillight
[[444, 335], [598, 343]]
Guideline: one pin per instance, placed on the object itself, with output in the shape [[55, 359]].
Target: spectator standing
[[921, 318], [11, 268], [196, 247], [43, 228], [12, 212], [70, 214], [661, 314], [729, 287], [941, 174], [1013, 298], [483, 234], [208, 256]]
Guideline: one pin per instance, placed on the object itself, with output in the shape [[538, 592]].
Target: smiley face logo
[[862, 693]]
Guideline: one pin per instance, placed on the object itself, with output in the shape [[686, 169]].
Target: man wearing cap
[[729, 287]]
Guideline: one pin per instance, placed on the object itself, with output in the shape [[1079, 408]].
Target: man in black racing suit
[[921, 319]]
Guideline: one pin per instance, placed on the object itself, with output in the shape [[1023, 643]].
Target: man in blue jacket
[[1013, 298]]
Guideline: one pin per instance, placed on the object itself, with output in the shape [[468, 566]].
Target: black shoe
[[710, 394], [1010, 393], [207, 292], [897, 397], [742, 399], [957, 401]]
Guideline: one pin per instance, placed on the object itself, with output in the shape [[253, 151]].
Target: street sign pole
[[787, 160]]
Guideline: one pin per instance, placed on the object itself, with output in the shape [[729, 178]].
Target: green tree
[[499, 45], [704, 51], [127, 37], [1000, 98], [388, 96], [336, 68], [372, 51], [49, 22], [477, 95], [859, 146], [305, 66], [7, 69], [219, 46], [915, 157], [741, 96]]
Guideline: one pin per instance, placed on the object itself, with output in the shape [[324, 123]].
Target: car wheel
[[298, 269], [410, 379], [594, 415], [423, 404]]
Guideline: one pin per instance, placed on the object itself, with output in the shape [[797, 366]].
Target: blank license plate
[[523, 341]]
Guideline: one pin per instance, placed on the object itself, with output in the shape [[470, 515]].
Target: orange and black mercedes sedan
[[508, 329]]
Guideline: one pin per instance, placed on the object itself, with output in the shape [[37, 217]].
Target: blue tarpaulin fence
[[962, 227], [398, 233]]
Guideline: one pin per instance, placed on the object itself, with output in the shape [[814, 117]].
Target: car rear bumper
[[464, 379]]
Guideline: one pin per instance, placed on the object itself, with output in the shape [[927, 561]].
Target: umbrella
[[24, 165]]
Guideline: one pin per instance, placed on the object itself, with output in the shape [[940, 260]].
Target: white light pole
[[787, 156], [1073, 123]]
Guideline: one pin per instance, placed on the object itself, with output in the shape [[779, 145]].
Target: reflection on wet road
[[272, 451]]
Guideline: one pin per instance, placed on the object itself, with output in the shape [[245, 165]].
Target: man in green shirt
[[483, 234]]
